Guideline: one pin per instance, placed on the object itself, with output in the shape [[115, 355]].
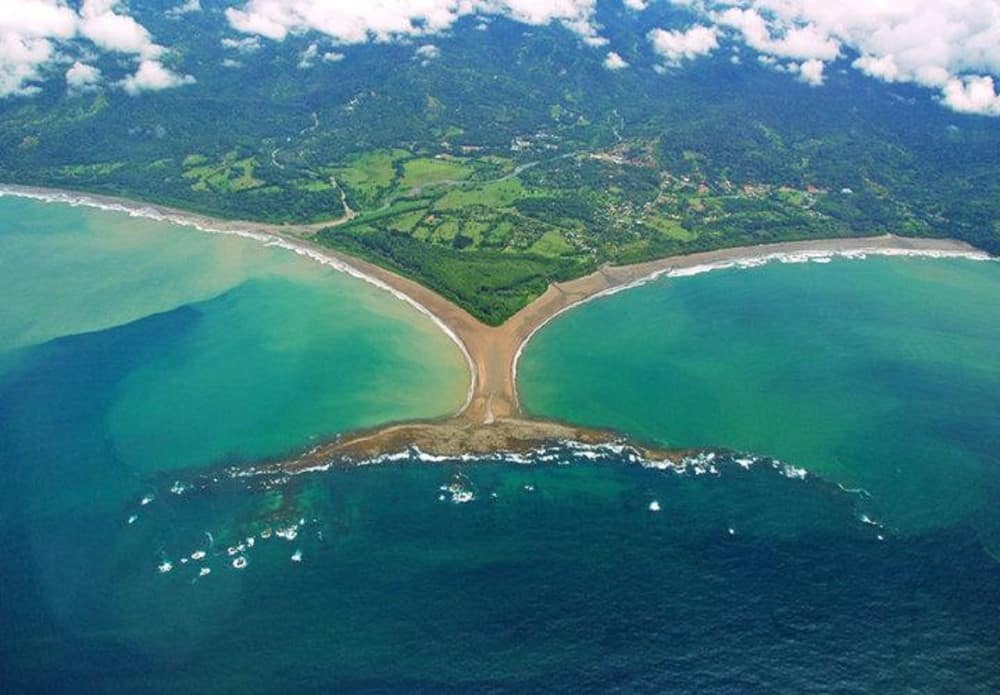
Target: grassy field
[[423, 171], [499, 194], [370, 176], [230, 175]]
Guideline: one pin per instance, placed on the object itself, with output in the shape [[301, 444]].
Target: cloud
[[37, 19], [247, 44], [187, 7], [811, 72], [20, 61], [115, 32], [972, 95], [28, 30], [350, 22], [308, 57], [81, 76], [637, 5], [36, 35], [428, 50], [883, 67], [678, 46], [798, 42], [952, 46], [152, 76], [613, 61]]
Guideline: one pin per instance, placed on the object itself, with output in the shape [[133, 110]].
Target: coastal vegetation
[[514, 158]]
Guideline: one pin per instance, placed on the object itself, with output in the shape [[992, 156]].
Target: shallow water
[[574, 569]]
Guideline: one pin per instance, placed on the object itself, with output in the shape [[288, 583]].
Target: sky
[[951, 47]]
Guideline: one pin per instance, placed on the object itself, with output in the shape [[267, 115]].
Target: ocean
[[847, 543]]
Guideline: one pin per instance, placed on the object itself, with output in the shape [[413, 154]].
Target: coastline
[[491, 418]]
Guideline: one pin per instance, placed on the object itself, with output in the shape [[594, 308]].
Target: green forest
[[514, 159]]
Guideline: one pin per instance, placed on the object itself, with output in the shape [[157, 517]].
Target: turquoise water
[[579, 571], [880, 374], [134, 346]]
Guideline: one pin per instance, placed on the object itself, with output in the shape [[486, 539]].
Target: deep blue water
[[565, 580]]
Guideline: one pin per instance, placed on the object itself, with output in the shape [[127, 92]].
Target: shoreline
[[492, 353], [749, 257]]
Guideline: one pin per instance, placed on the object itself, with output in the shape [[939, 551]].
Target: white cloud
[[20, 61], [37, 19], [152, 76], [613, 61], [677, 46], [882, 67], [187, 7], [247, 44], [308, 56], [27, 32], [972, 95], [115, 32], [428, 51], [80, 76], [798, 42], [350, 21], [949, 45], [637, 5], [34, 36], [811, 72]]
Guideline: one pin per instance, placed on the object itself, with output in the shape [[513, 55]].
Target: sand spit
[[491, 419]]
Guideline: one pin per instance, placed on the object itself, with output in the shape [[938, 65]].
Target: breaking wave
[[266, 476]]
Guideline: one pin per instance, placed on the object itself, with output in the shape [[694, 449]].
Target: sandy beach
[[492, 352]]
